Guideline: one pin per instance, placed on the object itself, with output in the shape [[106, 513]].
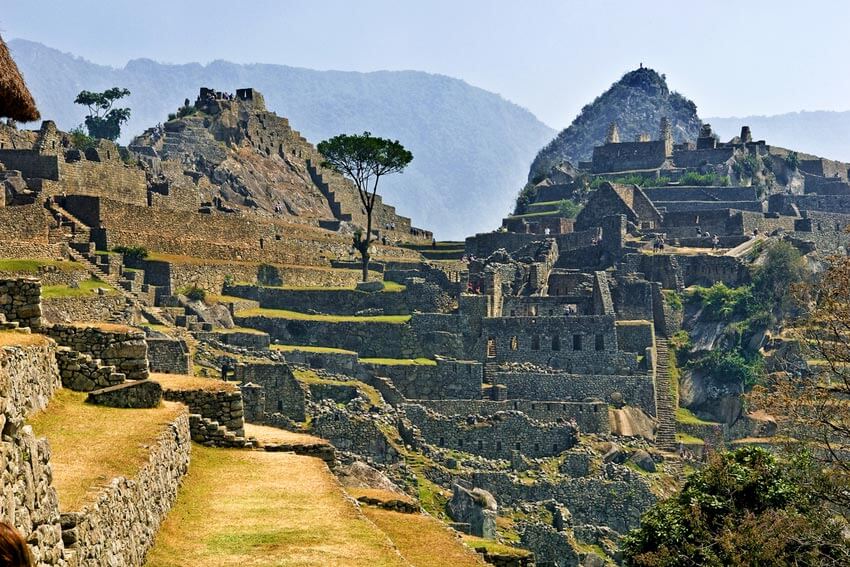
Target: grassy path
[[258, 509]]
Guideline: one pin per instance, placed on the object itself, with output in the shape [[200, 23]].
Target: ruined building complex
[[518, 386]]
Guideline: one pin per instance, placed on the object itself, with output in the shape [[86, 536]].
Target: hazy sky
[[733, 58]]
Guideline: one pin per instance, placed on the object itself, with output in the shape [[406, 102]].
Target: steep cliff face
[[637, 102]]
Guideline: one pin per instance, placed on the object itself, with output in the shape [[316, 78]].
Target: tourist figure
[[433, 243], [715, 242], [14, 551]]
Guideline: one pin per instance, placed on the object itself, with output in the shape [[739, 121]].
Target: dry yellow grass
[[273, 435], [423, 540], [183, 382], [258, 509], [12, 338], [91, 445]]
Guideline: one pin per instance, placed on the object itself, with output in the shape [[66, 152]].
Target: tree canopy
[[743, 508], [364, 159], [103, 121]]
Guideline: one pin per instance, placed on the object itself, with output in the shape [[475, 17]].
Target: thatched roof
[[16, 102]]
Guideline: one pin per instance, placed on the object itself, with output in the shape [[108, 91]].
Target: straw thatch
[[16, 102]]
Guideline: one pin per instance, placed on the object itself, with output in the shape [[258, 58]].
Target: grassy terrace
[[317, 349], [179, 382], [91, 445], [294, 315], [422, 540], [86, 288], [32, 265], [400, 361], [552, 213], [265, 509], [684, 415], [234, 330]]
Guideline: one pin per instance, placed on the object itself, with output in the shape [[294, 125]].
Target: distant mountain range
[[822, 133], [471, 147]]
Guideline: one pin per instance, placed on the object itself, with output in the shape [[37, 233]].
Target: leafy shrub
[[722, 303], [731, 366], [81, 140], [673, 299], [792, 161], [568, 209], [773, 280], [195, 293], [228, 280], [704, 180], [136, 253], [524, 199], [681, 340], [743, 508], [747, 167]]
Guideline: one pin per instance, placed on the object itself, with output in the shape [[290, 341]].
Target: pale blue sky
[[730, 57]]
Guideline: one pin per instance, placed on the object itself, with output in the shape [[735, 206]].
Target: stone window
[[460, 443], [554, 447], [535, 342], [534, 406], [514, 343], [576, 342], [537, 447], [513, 312], [442, 441], [556, 342], [518, 446], [595, 409], [491, 347], [600, 342], [516, 405], [480, 445], [498, 445]]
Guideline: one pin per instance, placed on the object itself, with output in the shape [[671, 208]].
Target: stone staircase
[[665, 412], [76, 231], [341, 211]]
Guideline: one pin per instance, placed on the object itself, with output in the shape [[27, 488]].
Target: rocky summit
[[636, 102]]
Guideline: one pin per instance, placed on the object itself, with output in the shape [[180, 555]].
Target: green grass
[[689, 439], [393, 287], [87, 287], [553, 213], [296, 316], [291, 348], [234, 330], [400, 361], [684, 415], [32, 265]]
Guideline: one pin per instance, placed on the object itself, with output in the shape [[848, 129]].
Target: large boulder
[[475, 507]]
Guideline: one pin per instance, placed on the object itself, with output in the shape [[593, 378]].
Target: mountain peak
[[636, 103]]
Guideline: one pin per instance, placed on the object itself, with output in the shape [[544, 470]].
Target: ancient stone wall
[[28, 378], [82, 373], [591, 417], [30, 163], [119, 528], [448, 379], [495, 436], [627, 156], [637, 390], [484, 244], [87, 308], [222, 406], [283, 393], [115, 345], [20, 301], [25, 223], [353, 432], [168, 355], [636, 336], [616, 503]]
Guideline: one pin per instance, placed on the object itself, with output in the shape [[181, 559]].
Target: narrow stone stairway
[[665, 413]]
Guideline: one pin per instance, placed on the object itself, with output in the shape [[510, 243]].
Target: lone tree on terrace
[[103, 121], [364, 159]]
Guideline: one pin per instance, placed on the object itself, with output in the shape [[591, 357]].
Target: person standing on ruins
[[14, 551]]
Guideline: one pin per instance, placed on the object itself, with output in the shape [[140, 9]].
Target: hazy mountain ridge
[[471, 146], [822, 133], [636, 102]]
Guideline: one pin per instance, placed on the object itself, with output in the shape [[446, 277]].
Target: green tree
[[364, 159], [743, 508], [774, 279], [103, 121]]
